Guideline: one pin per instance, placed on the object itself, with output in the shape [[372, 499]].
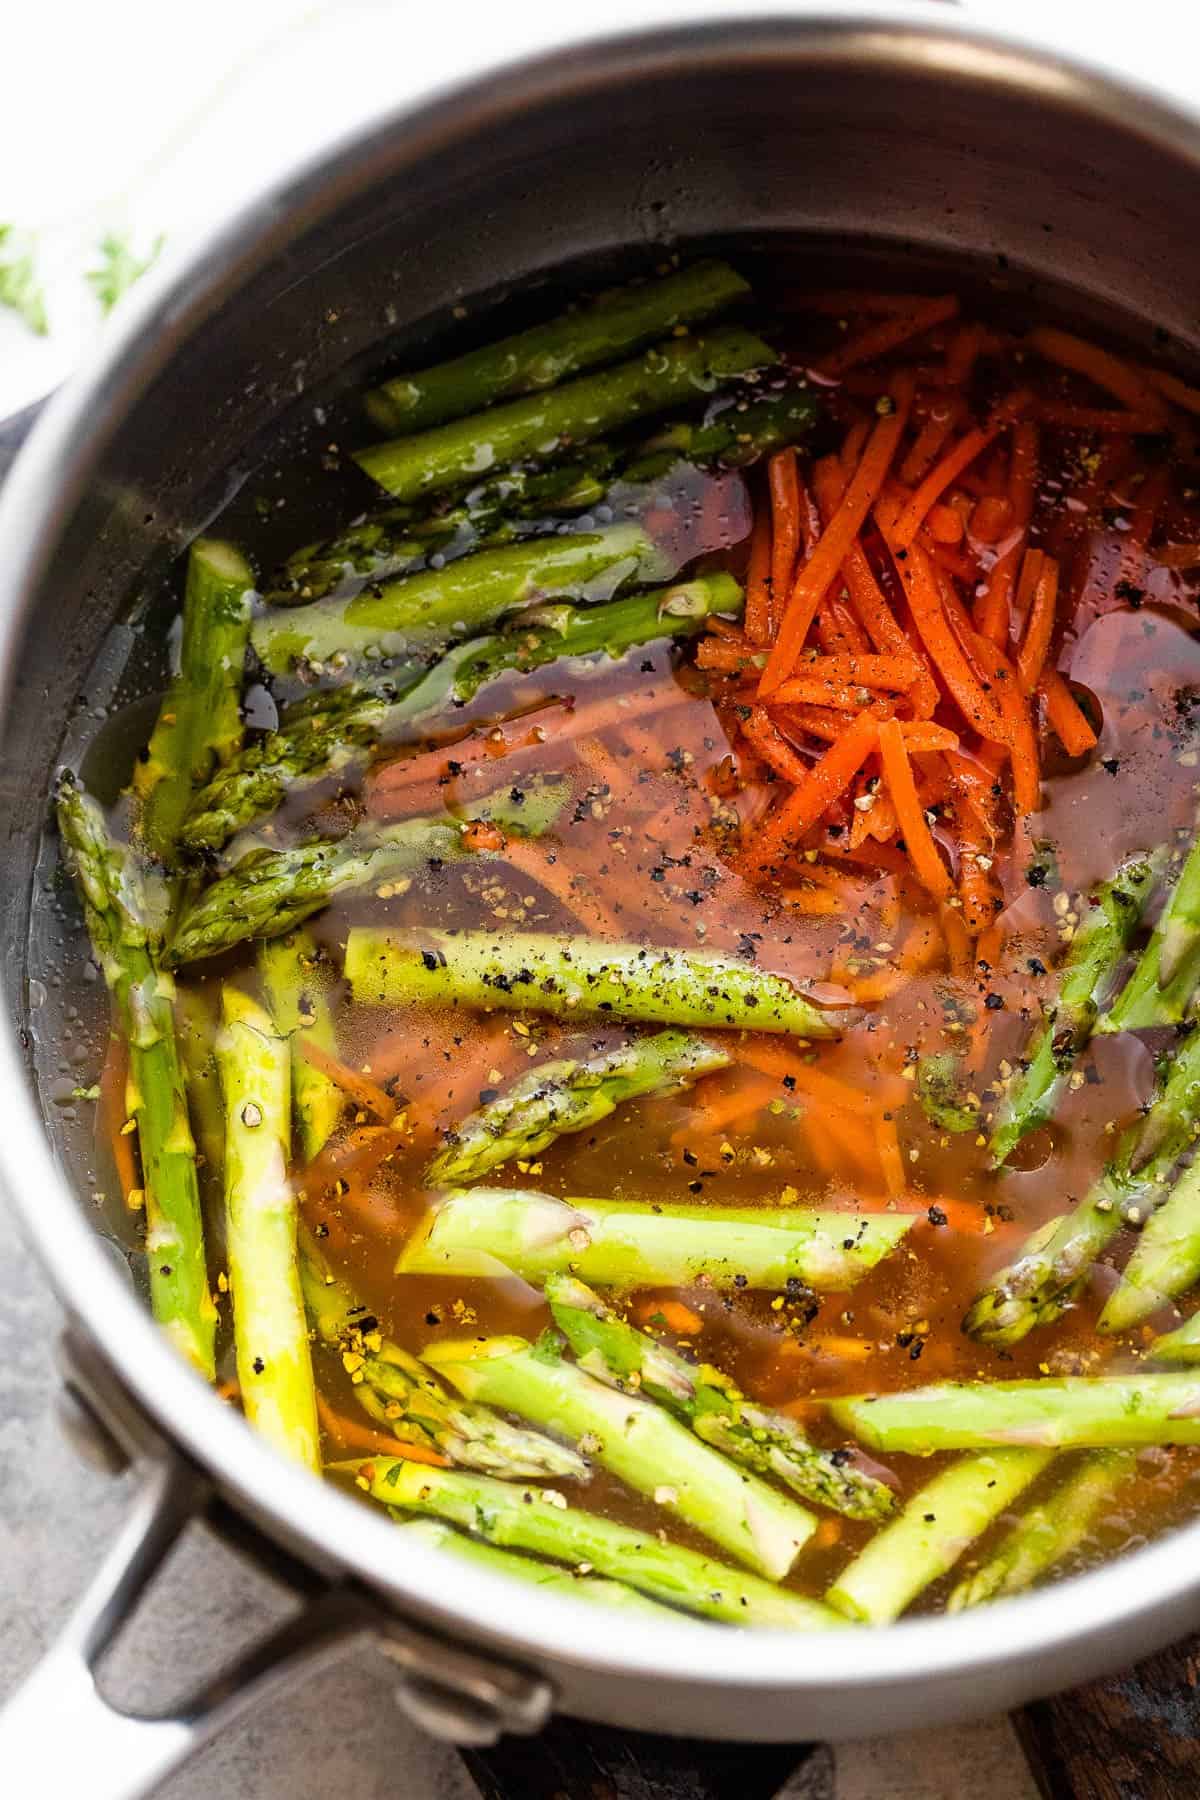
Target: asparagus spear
[[539, 426], [1048, 1531], [124, 909], [567, 1095], [931, 1533], [494, 1231], [1071, 1412], [595, 1589], [394, 540], [636, 1441], [518, 971], [407, 1398], [338, 733], [268, 892], [544, 355], [708, 1401], [296, 987], [200, 722], [1160, 990], [1101, 939], [418, 615], [1181, 1345], [940, 1092], [1054, 1262], [196, 1034], [536, 1520], [1165, 1260], [274, 1363]]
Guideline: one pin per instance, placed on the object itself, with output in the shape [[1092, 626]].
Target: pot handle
[[60, 1717]]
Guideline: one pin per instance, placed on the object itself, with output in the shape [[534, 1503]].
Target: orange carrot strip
[[943, 417], [831, 634], [828, 555], [764, 735], [1003, 683], [988, 949], [920, 734], [891, 1158], [1178, 556], [894, 673], [1031, 568], [856, 1146], [785, 526], [839, 301], [918, 841], [1151, 495], [361, 1089], [991, 518], [852, 446], [877, 340], [782, 1064], [851, 632], [1178, 392], [946, 470], [813, 691], [1099, 366], [818, 903], [728, 658], [962, 352], [810, 798], [352, 1434], [959, 947], [977, 887], [577, 898], [1031, 658], [673, 1313], [717, 1113], [944, 524], [924, 596], [817, 721], [960, 1215], [1065, 715], [1097, 419], [758, 581], [993, 610], [115, 1117]]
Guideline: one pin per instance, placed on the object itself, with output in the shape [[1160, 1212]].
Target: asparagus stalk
[[268, 892], [1071, 1412], [124, 911], [1048, 1531], [544, 355], [1046, 1276], [636, 1441], [569, 1094], [418, 615], [296, 986], [407, 1398], [536, 1520], [338, 733], [707, 1400], [519, 971], [1165, 1260], [494, 1231], [199, 723], [537, 427], [1101, 940], [196, 1035], [396, 539], [274, 1363], [931, 1533], [1181, 1345], [595, 1589], [940, 1092], [1160, 990]]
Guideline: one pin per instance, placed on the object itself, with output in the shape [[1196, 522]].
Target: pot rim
[[37, 500]]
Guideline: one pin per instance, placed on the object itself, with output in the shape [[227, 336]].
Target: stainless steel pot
[[901, 129]]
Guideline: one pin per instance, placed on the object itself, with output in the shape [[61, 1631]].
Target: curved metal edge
[[1141, 1594]]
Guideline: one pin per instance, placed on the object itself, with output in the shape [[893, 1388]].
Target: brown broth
[[652, 837]]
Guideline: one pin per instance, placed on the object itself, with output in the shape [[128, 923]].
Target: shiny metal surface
[[903, 129]]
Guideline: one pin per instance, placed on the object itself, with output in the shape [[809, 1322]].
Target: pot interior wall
[[783, 141]]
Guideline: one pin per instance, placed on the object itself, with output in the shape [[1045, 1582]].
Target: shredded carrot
[[991, 518], [978, 889], [817, 721], [990, 945], [890, 672], [788, 1065], [854, 640], [727, 658], [878, 340], [1065, 715], [891, 1157], [962, 353], [1101, 367], [1178, 556], [764, 735], [1151, 496], [840, 301], [810, 798], [350, 1434], [785, 525], [856, 1147], [944, 524], [360, 1088], [1031, 568], [993, 610], [1178, 392], [852, 446], [1094, 419], [960, 949], [919, 734], [806, 690], [918, 841], [959, 1215], [674, 1314], [828, 555], [717, 1113], [942, 419], [950, 466], [579, 898], [758, 582], [924, 596], [1035, 646], [818, 903], [1002, 682]]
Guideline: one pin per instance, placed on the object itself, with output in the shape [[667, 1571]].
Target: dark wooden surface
[[572, 1760], [1135, 1736]]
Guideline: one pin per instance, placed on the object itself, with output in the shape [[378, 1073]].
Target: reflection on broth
[[653, 971]]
